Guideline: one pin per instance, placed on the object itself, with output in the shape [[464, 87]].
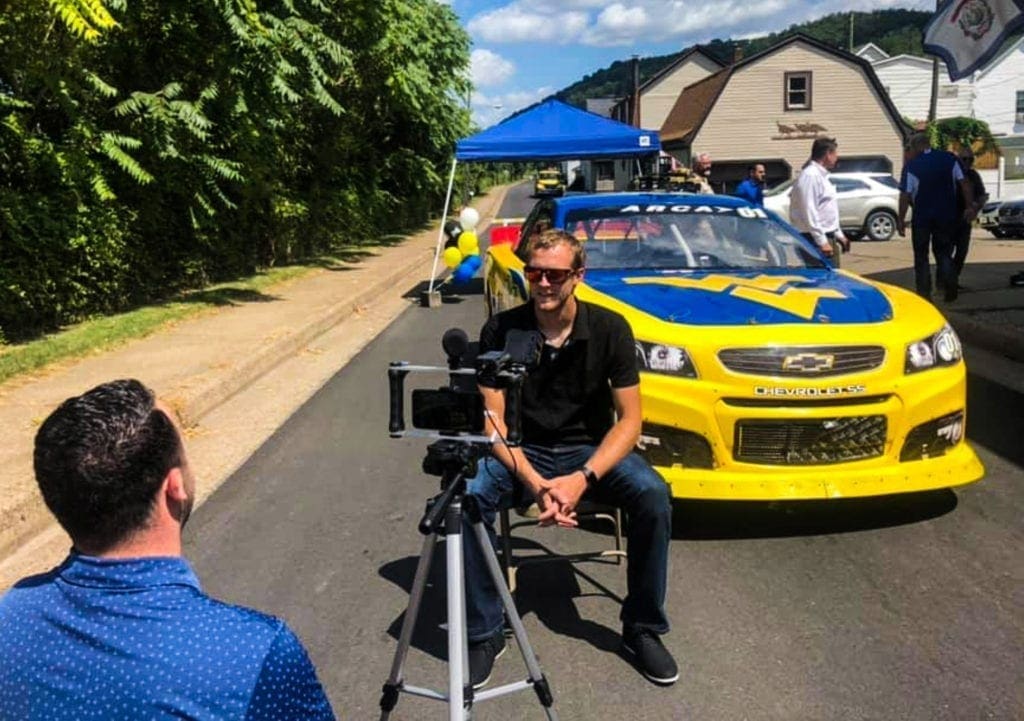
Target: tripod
[[456, 460]]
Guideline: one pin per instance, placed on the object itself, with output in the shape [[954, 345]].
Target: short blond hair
[[552, 237]]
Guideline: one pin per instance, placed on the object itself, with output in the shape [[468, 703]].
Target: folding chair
[[586, 511]]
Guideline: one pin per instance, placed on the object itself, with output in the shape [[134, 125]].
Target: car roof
[[603, 200]]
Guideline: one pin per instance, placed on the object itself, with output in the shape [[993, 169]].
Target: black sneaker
[[952, 291], [482, 655], [650, 656], [1017, 279]]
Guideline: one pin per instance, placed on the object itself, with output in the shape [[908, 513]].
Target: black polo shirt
[[568, 398]]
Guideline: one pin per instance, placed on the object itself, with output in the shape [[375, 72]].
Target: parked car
[[868, 203], [549, 182], [988, 218], [1010, 219], [765, 372]]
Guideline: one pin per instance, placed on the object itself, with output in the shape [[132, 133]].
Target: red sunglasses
[[555, 276]]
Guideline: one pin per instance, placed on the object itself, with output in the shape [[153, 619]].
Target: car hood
[[718, 298]]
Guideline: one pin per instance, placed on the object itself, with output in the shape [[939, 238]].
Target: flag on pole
[[967, 33]]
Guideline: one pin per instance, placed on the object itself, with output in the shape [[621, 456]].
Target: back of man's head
[[918, 143], [100, 459]]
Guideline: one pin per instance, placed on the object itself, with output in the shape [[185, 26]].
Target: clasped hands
[[557, 499]]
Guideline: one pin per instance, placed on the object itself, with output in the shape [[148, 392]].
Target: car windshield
[[549, 174], [688, 237]]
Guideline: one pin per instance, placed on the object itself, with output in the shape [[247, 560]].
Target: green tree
[[148, 146], [960, 132]]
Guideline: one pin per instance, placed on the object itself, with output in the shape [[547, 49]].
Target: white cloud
[[488, 69], [514, 23], [619, 25], [490, 109], [636, 22]]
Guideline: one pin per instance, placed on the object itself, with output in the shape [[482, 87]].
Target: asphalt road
[[908, 607]]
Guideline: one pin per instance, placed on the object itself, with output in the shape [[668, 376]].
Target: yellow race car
[[765, 372], [549, 182]]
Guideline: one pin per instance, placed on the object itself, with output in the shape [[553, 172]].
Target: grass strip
[[106, 332]]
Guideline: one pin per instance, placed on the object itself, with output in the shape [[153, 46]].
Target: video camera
[[456, 411]]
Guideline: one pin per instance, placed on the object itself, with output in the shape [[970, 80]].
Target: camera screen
[[447, 410]]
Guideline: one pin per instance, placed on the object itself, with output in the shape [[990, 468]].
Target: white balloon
[[468, 218]]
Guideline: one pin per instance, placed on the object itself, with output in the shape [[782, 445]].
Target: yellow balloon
[[452, 257], [468, 243]]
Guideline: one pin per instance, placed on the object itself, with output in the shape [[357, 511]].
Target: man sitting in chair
[[580, 422]]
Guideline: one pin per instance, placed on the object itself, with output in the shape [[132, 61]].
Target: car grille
[[802, 361], [812, 442]]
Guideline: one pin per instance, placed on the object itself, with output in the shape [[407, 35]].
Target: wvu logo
[[776, 291]]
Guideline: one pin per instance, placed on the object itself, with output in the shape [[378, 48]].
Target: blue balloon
[[464, 273], [474, 261]]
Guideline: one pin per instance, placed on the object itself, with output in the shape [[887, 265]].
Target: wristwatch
[[589, 474]]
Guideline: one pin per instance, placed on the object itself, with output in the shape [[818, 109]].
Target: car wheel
[[880, 225]]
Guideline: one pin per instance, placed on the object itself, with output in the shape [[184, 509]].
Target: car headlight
[[667, 360], [935, 351]]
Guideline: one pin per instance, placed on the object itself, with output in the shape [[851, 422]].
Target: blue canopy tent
[[551, 130]]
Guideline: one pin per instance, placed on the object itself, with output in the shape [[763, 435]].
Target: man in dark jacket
[[963, 232]]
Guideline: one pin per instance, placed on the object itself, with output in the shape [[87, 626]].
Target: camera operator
[[573, 446], [121, 629]]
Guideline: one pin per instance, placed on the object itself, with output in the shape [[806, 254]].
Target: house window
[[949, 91], [798, 91], [1019, 116]]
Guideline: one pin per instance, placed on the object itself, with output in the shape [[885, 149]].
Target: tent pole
[[440, 232]]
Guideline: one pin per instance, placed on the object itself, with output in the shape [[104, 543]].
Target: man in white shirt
[[813, 208]]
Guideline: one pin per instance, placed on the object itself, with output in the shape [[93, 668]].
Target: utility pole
[[635, 68], [933, 104], [850, 44], [465, 166]]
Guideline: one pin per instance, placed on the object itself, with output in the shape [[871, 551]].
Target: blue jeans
[[632, 485], [939, 237]]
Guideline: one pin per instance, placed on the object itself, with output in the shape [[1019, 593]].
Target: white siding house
[[999, 92], [908, 80], [999, 101]]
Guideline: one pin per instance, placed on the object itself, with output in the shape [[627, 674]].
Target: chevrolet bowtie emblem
[[808, 362]]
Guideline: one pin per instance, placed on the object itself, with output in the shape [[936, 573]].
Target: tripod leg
[[460, 692], [389, 696], [537, 679]]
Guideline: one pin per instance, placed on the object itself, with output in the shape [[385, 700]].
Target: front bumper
[[866, 462]]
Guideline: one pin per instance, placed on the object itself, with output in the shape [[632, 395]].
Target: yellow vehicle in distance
[[550, 182]]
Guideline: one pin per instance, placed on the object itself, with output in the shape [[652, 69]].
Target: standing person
[[813, 206], [930, 180], [121, 629], [752, 188], [580, 421], [962, 242]]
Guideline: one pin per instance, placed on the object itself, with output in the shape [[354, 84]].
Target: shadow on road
[[720, 520], [995, 416], [449, 293], [547, 590]]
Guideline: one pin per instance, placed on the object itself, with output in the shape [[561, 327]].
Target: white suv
[[868, 203]]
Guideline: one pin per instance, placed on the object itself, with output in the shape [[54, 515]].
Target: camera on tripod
[[456, 411], [454, 415]]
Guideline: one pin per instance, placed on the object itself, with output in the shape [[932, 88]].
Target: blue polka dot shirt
[[137, 639]]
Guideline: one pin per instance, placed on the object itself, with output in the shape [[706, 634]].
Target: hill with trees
[[894, 31]]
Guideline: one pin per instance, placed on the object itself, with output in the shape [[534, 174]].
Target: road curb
[[30, 516], [204, 399]]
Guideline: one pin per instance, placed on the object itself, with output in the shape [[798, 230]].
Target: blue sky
[[524, 50]]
